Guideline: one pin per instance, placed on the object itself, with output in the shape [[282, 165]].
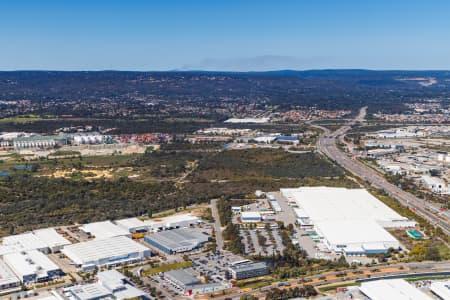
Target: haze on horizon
[[227, 35]]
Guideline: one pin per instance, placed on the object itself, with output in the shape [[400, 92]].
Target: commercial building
[[435, 184], [182, 278], [92, 291], [88, 138], [39, 141], [104, 230], [333, 204], [397, 289], [54, 241], [172, 222], [23, 242], [185, 280], [8, 280], [441, 289], [177, 240], [251, 217], [32, 266], [248, 269], [106, 252], [291, 140], [355, 237], [110, 284], [349, 221], [132, 225]]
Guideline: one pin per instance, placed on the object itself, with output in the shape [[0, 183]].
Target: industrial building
[[172, 222], [32, 266], [177, 240], [106, 252], [54, 241], [82, 138], [356, 237], [441, 289], [104, 230], [158, 224], [435, 184], [248, 269], [333, 204], [190, 285], [182, 278], [397, 289], [92, 291], [23, 242], [349, 221], [110, 284], [45, 240], [39, 141], [8, 280], [132, 225], [250, 217]]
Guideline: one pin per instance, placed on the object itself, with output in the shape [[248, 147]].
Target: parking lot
[[267, 245]]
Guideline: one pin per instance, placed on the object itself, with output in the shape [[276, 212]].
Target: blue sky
[[224, 35]]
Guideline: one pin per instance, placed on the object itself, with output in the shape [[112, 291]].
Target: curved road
[[327, 146]]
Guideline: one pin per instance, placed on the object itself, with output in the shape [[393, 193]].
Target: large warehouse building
[[54, 241], [8, 280], [356, 237], [106, 252], [349, 221], [32, 266], [104, 230], [177, 240], [158, 224], [45, 240], [391, 289]]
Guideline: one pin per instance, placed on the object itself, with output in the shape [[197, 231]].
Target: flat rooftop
[[391, 289], [7, 276], [95, 250], [183, 237], [184, 276], [30, 262], [441, 288], [105, 229], [51, 238], [341, 204], [368, 233]]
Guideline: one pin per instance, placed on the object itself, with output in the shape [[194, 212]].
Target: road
[[327, 146], [217, 225], [403, 269]]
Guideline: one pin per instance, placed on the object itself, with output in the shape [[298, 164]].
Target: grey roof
[[89, 291], [175, 238], [183, 276]]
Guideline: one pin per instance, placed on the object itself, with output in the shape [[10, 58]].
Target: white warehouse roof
[[441, 288], [341, 204], [110, 249], [103, 230], [51, 238], [7, 276], [23, 242], [397, 289], [357, 236], [29, 263], [251, 216], [181, 220], [132, 224]]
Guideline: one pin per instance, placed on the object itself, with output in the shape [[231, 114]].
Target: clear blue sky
[[224, 35]]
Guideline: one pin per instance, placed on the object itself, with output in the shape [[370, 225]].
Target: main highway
[[327, 145]]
